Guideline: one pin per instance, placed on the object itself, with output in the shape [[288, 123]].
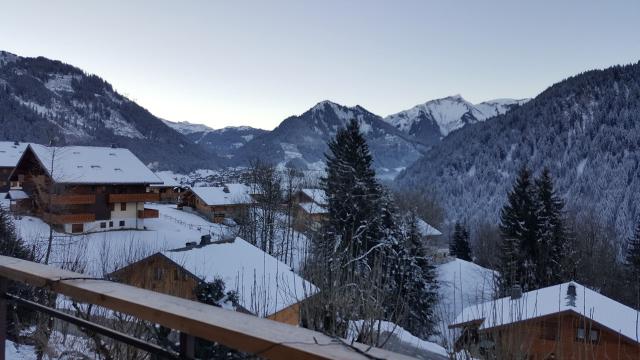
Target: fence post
[[3, 317]]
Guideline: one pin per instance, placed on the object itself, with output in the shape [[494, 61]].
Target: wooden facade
[[161, 274], [564, 335], [76, 208], [304, 219], [167, 194], [5, 183]]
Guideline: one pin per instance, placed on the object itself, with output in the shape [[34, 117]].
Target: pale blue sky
[[257, 62]]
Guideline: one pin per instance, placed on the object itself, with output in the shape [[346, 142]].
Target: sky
[[230, 63]]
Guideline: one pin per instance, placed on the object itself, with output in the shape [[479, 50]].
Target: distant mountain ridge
[[301, 141], [43, 100], [435, 119], [225, 142]]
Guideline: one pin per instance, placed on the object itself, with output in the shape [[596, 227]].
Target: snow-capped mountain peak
[[437, 118]]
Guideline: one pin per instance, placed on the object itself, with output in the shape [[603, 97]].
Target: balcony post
[[3, 317]]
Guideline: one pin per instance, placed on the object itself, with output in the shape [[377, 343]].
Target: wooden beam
[[243, 332]]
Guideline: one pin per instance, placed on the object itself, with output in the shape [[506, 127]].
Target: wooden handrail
[[139, 197], [243, 332]]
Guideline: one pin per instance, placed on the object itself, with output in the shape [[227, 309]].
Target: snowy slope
[[435, 119], [461, 284], [186, 128]]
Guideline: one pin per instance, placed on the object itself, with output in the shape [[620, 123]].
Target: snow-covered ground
[[399, 340]]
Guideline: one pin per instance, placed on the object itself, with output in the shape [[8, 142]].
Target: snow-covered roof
[[609, 313], [93, 165], [317, 195], [313, 208], [264, 284], [427, 230], [10, 153], [16, 195], [215, 195], [167, 180]]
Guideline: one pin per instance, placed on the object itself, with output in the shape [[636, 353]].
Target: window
[[581, 335], [103, 225], [158, 273], [77, 228], [110, 224], [123, 206], [121, 223]]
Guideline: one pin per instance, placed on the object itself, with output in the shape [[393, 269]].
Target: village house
[[217, 203], [310, 208], [84, 189], [169, 191], [266, 287], [566, 321], [10, 153]]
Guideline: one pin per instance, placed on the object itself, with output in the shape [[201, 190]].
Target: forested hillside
[[585, 129], [44, 100]]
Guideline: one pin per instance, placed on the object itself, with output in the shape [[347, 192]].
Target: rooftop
[[264, 284], [10, 152], [317, 195], [216, 195], [609, 313], [93, 165]]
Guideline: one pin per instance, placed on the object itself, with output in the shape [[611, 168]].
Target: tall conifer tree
[[553, 246], [459, 246], [518, 232]]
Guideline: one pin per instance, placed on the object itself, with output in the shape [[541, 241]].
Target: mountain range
[[585, 129]]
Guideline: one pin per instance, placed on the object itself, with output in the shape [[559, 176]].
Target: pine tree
[[553, 244], [353, 194], [518, 233], [419, 284], [459, 246]]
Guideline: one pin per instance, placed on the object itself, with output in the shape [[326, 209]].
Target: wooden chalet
[[566, 321], [217, 203], [265, 286], [310, 208], [84, 189], [10, 153], [169, 191]]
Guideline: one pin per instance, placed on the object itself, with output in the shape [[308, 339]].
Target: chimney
[[113, 146], [16, 143], [516, 292], [191, 244], [571, 290], [225, 189], [205, 239]]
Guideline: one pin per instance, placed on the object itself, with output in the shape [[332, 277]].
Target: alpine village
[[501, 229]]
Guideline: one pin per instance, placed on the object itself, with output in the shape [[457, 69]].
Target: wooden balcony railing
[[247, 333], [68, 218], [148, 214], [73, 199], [141, 197]]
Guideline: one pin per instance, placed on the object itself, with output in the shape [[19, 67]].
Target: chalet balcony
[[148, 214], [73, 199], [68, 218], [140, 197]]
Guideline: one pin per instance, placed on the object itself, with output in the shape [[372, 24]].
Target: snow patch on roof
[[10, 153], [313, 208], [93, 165], [264, 284], [317, 195], [426, 230], [216, 195]]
